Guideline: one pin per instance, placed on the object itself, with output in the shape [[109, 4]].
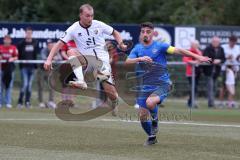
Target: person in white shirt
[[88, 34], [232, 52], [230, 85]]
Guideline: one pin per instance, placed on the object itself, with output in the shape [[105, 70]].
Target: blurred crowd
[[224, 69]]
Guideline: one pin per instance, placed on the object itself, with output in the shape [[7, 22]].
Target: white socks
[[77, 67]]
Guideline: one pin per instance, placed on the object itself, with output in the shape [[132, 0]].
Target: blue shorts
[[161, 91]]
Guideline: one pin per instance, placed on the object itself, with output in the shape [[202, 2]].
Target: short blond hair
[[88, 6]]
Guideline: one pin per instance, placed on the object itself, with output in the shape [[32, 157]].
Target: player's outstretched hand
[[145, 59], [47, 65], [205, 59]]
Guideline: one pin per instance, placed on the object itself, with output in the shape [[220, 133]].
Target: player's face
[[146, 35], [86, 17]]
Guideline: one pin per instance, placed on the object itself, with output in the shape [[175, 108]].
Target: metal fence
[[177, 74]]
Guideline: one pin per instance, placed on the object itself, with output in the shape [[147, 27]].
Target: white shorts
[[95, 66], [92, 65], [231, 88]]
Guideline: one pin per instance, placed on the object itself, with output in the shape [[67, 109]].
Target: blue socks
[[147, 127], [148, 124], [154, 115]]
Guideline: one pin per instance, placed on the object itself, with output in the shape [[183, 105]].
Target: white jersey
[[90, 40], [234, 52]]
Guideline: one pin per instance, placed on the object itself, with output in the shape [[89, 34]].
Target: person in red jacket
[[189, 60], [66, 93], [8, 52], [66, 47]]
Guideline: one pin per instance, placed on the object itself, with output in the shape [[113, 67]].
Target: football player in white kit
[[88, 35]]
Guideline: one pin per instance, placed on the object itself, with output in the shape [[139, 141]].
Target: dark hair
[[88, 6], [28, 29], [146, 24], [233, 38]]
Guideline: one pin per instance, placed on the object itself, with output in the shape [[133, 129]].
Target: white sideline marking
[[28, 119], [177, 123], [128, 121]]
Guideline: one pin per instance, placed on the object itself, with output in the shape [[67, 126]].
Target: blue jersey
[[153, 72], [152, 78], [157, 51]]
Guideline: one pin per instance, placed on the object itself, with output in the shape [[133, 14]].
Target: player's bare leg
[[112, 95], [74, 59], [152, 101]]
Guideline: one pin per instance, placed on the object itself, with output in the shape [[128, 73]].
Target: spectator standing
[[212, 72], [232, 52], [28, 50], [9, 53], [190, 61], [42, 77]]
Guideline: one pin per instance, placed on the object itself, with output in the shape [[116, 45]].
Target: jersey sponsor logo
[[89, 41], [92, 47]]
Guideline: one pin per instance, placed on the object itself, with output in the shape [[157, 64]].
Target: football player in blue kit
[[155, 84]]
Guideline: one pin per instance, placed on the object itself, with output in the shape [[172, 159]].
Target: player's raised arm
[[54, 50], [119, 39], [190, 54]]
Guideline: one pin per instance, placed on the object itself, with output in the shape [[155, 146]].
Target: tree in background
[[202, 12]]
